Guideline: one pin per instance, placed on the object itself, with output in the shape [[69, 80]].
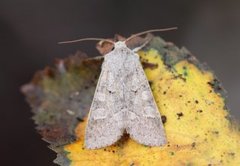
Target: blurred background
[[30, 30]]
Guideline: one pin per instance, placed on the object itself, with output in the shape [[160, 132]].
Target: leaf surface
[[188, 94]]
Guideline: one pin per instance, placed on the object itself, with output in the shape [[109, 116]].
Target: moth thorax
[[120, 44]]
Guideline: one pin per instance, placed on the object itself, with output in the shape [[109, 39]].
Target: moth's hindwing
[[104, 125], [144, 123]]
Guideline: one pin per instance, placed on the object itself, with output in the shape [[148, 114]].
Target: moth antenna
[[85, 39], [149, 31]]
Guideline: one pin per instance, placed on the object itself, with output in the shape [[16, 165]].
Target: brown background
[[29, 31]]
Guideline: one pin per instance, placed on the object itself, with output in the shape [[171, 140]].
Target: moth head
[[120, 44]]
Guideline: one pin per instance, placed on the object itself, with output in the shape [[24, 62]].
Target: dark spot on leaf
[[215, 132], [210, 83], [193, 144], [231, 154], [132, 164], [164, 119], [96, 77], [172, 153], [215, 84], [180, 76], [185, 73], [80, 119], [196, 101], [180, 114], [146, 64], [200, 111], [150, 83], [164, 92], [168, 66]]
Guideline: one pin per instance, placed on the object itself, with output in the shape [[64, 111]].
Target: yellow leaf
[[197, 129]]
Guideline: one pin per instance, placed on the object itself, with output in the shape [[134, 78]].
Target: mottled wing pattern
[[144, 120], [100, 131]]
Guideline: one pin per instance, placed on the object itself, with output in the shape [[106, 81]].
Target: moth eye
[[112, 48]]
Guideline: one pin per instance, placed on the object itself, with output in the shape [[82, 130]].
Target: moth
[[123, 101]]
